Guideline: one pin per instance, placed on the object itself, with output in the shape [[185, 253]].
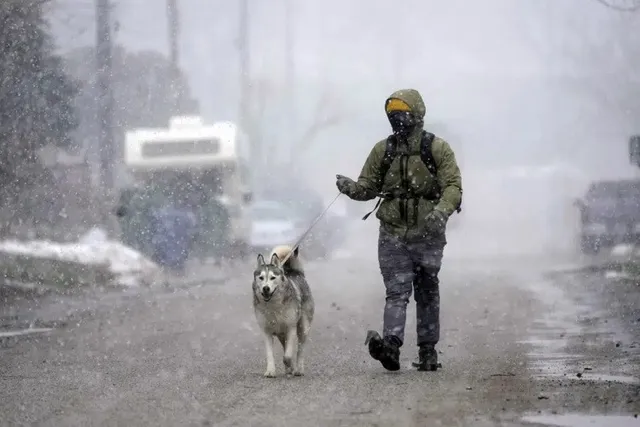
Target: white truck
[[208, 160]]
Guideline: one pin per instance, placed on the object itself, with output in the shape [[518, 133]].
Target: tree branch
[[322, 120], [635, 5]]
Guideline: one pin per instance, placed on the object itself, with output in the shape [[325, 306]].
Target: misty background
[[508, 84]]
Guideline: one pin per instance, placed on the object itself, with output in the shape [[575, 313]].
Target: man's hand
[[344, 184], [437, 221]]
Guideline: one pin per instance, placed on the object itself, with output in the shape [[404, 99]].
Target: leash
[[313, 224]]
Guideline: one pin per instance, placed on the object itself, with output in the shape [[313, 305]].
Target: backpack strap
[[389, 155], [426, 154], [390, 152]]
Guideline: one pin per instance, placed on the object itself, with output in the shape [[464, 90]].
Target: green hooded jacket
[[370, 182]]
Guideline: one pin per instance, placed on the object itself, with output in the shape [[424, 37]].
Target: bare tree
[[621, 5], [598, 67], [325, 116], [265, 117]]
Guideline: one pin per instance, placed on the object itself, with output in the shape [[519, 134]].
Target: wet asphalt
[[514, 343]]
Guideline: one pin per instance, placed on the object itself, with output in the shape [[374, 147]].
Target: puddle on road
[[562, 345], [5, 334], [556, 356], [574, 420], [593, 377]]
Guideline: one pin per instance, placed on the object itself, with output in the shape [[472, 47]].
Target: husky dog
[[284, 307]]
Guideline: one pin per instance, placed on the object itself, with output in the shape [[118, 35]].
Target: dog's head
[[267, 278]]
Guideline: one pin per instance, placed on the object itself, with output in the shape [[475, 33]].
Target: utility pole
[[106, 145], [290, 77], [173, 24], [244, 121]]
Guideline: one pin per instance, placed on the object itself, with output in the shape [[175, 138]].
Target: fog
[[127, 295], [509, 84]]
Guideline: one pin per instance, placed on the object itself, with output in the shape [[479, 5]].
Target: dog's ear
[[261, 261], [275, 260]]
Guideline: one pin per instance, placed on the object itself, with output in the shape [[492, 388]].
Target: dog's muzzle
[[266, 293]]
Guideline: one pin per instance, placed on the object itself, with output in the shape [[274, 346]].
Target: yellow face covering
[[395, 104]]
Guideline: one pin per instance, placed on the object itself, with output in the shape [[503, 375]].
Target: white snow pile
[[93, 260]]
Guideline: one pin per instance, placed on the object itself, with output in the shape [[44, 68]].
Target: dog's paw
[[288, 365], [299, 370], [270, 373]]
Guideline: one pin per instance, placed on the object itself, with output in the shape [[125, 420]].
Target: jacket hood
[[413, 99]]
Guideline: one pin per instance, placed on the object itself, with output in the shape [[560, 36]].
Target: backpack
[[426, 155]]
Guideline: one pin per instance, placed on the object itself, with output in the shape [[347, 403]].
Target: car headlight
[[595, 228]]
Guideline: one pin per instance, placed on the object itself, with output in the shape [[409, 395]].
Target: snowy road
[[513, 344]]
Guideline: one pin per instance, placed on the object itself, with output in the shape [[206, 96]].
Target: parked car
[[276, 223], [273, 224], [610, 215]]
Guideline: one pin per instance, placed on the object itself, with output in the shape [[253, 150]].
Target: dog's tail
[[293, 264]]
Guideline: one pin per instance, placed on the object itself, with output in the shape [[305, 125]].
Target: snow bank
[[93, 260]]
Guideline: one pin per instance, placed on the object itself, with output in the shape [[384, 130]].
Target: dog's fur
[[284, 307]]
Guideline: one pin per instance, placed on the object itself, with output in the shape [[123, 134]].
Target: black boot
[[385, 350], [427, 359]]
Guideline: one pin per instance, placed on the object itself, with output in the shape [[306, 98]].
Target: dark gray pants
[[406, 267]]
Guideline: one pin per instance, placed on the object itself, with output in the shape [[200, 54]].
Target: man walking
[[418, 179]]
